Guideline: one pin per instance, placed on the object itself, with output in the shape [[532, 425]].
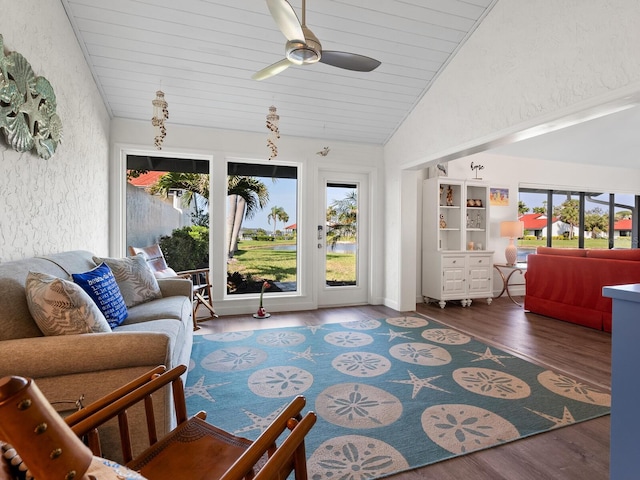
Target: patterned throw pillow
[[61, 307], [101, 286], [136, 281]]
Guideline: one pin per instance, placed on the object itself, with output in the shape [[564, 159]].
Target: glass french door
[[342, 239]]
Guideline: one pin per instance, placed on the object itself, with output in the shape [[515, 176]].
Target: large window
[[571, 219], [261, 231], [168, 204]]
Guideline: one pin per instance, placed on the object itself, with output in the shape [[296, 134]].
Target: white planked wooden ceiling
[[202, 54]]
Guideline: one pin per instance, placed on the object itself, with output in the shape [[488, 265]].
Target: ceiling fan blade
[[349, 61], [286, 19], [272, 70]]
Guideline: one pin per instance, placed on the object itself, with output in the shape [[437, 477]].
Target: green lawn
[[259, 259], [621, 242]]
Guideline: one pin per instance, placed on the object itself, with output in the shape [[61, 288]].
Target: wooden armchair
[[196, 449], [199, 277]]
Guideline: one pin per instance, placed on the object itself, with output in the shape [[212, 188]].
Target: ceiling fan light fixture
[[302, 53]]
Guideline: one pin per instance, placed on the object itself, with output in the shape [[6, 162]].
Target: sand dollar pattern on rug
[[446, 336], [354, 457], [234, 358], [361, 364], [570, 388], [421, 354], [390, 394], [280, 382], [465, 428], [358, 406], [408, 322], [348, 339], [492, 383]]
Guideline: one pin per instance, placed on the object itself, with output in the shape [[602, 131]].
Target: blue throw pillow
[[101, 286]]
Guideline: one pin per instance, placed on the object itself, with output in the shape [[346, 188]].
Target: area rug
[[391, 394]]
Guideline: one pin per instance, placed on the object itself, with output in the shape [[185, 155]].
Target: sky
[[282, 193]]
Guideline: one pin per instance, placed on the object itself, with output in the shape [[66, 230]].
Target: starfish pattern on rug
[[420, 383], [306, 355], [202, 390], [567, 417], [314, 328], [393, 335], [488, 355], [258, 423]]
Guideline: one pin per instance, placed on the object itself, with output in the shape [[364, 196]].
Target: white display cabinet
[[455, 234]]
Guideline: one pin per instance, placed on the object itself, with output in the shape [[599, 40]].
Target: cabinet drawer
[[475, 261], [457, 261]]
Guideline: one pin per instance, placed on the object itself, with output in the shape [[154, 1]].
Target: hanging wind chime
[[160, 114], [274, 132]]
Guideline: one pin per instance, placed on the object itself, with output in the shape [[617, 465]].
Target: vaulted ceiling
[[202, 54]]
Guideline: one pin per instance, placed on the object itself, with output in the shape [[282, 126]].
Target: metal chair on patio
[[200, 277]]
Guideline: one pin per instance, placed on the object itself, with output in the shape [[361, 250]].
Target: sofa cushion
[[567, 252], [61, 307], [174, 308], [101, 286], [136, 281], [626, 254]]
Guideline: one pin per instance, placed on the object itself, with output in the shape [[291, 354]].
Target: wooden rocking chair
[[196, 449], [199, 277]]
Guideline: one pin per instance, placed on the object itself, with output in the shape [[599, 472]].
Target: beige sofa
[[66, 367]]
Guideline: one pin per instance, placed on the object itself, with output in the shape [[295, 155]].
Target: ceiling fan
[[304, 48]]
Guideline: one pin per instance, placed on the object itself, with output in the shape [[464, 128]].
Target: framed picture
[[499, 197]]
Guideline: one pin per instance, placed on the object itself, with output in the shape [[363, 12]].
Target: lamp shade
[[512, 229]]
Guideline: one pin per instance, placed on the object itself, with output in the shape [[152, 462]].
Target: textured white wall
[[61, 203], [529, 62]]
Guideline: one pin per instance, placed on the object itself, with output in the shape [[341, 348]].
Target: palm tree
[[245, 196], [277, 213], [342, 218], [192, 184]]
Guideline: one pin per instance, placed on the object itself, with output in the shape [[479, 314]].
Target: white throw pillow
[[61, 307], [136, 281]]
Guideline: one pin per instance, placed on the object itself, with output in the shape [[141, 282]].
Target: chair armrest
[[266, 441], [175, 286], [41, 357]]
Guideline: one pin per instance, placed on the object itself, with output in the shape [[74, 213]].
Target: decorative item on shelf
[[274, 131], [160, 114], [449, 196], [477, 167], [469, 245], [478, 202], [262, 313], [511, 230], [443, 223], [28, 115]]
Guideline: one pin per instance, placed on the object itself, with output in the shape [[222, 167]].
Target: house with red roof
[[536, 224]]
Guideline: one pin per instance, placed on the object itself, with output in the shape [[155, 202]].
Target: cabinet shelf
[[449, 206]]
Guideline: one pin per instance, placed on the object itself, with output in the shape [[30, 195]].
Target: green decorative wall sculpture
[[28, 115]]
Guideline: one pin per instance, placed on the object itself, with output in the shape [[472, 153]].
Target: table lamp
[[511, 229]]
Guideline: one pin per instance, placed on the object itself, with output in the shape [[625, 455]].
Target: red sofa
[[566, 283]]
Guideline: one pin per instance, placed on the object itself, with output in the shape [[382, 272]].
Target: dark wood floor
[[576, 452]]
